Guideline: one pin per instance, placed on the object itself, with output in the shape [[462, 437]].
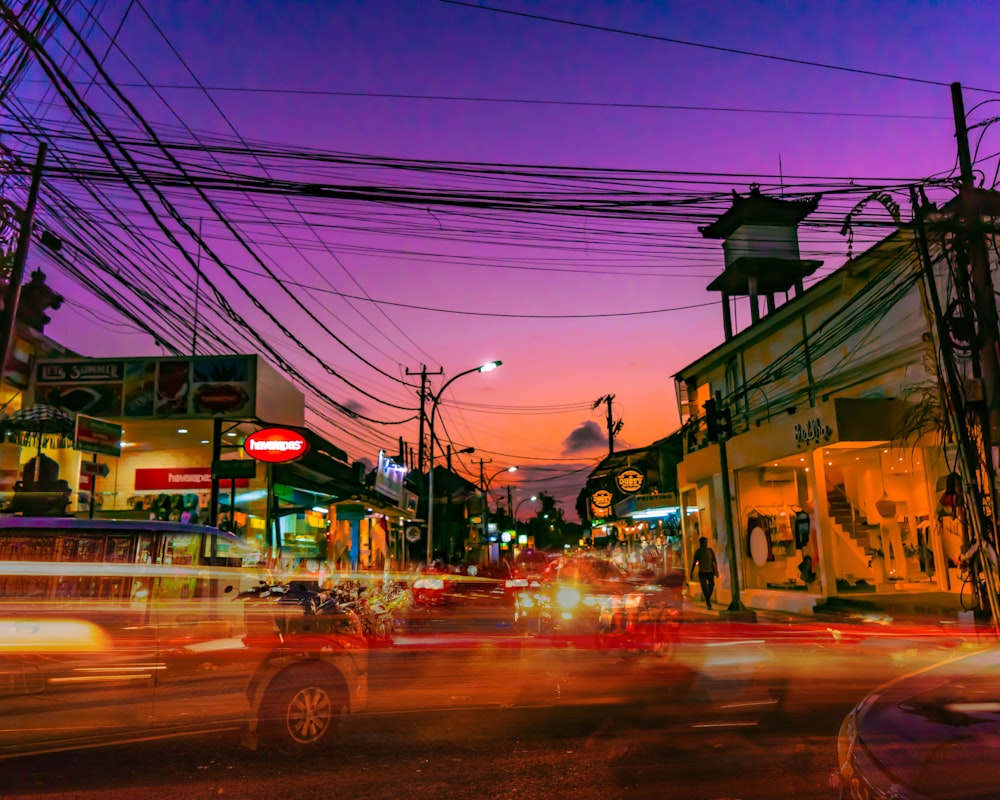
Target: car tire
[[302, 709]]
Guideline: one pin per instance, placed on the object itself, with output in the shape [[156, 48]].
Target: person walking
[[708, 569]]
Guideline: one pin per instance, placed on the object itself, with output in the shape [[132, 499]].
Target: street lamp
[[531, 499], [486, 506], [435, 399]]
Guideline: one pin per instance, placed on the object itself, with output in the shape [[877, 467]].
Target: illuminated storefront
[[184, 422]]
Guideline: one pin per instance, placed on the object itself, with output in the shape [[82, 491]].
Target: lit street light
[[531, 499], [435, 399]]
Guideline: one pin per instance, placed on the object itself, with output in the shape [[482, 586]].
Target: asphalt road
[[460, 712]]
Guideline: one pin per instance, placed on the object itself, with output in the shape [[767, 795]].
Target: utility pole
[[971, 498], [979, 426], [975, 254], [8, 316], [423, 415], [451, 488], [719, 423], [486, 507], [613, 427]]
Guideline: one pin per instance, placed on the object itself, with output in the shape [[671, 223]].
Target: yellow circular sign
[[601, 498], [630, 480]]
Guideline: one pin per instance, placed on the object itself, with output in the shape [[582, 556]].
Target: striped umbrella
[[42, 424]]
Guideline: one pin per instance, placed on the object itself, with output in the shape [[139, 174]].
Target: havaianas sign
[[275, 445]]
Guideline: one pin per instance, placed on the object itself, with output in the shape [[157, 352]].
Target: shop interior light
[[204, 441], [231, 433], [320, 509], [182, 430], [246, 497]]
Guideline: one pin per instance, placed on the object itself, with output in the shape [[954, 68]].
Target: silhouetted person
[[708, 569]]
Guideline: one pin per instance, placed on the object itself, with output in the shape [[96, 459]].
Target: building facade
[[832, 433]]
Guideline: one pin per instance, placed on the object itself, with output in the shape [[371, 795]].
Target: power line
[[526, 101], [717, 48]]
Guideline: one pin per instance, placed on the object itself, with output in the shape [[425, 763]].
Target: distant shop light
[[651, 513]]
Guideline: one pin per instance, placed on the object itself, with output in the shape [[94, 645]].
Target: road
[[459, 713]]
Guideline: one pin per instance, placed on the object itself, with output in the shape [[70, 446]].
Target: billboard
[[149, 388]]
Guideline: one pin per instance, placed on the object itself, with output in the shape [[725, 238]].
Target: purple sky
[[576, 285]]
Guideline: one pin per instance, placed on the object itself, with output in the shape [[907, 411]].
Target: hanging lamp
[[885, 507]]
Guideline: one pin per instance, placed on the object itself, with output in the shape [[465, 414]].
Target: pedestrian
[[708, 569]]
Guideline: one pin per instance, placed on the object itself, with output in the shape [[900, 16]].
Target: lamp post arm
[[435, 399]]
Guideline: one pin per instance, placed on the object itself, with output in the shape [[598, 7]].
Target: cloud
[[353, 405], [588, 436]]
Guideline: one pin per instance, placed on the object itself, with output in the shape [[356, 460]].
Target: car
[[100, 645], [929, 734], [493, 585], [567, 602], [531, 564]]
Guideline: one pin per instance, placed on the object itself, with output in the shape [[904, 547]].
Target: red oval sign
[[275, 445]]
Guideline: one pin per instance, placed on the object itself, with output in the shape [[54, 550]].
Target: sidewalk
[[937, 610]]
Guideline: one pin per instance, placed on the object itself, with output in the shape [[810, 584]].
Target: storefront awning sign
[[276, 445]]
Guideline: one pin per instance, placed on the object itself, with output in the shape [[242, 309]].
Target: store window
[[777, 517]]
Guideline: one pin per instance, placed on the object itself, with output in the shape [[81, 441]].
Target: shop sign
[[599, 513], [276, 445], [812, 431], [601, 498], [92, 371], [177, 479], [630, 480], [412, 534], [95, 435], [389, 477]]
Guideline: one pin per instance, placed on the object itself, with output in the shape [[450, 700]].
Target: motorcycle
[[646, 619]]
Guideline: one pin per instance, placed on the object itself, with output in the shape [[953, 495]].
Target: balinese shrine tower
[[761, 245]]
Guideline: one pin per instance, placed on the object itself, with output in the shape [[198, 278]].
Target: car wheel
[[302, 709]]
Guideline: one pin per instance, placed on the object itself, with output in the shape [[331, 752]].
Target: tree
[[583, 505], [548, 525]]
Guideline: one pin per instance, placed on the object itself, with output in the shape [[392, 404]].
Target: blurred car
[[531, 564], [591, 602], [471, 585], [96, 672], [930, 734], [567, 602]]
